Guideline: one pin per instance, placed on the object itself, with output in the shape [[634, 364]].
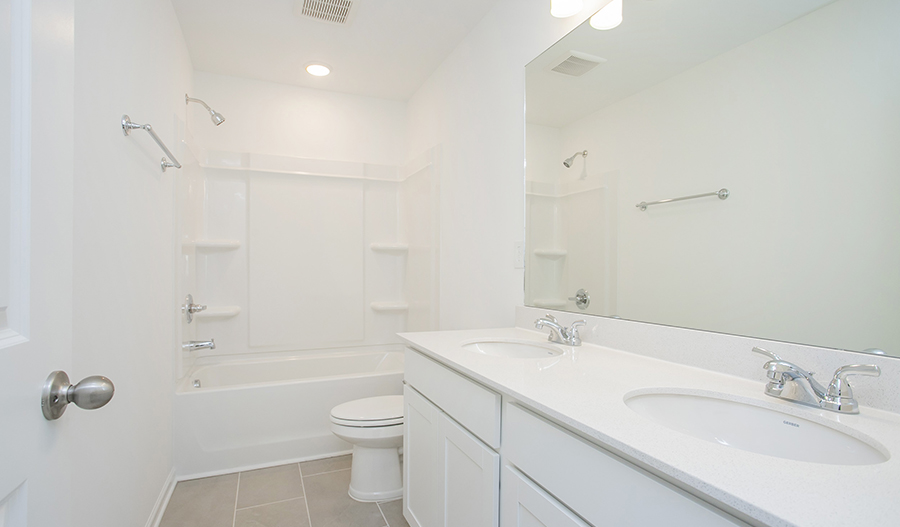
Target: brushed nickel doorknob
[[91, 393]]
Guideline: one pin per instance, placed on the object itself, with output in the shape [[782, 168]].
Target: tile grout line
[[383, 517], [323, 473], [269, 503], [305, 498], [237, 491]]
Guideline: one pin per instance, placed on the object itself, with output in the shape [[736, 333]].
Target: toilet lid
[[371, 411]]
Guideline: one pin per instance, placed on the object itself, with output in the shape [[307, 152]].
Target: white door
[[469, 478], [36, 158], [527, 505]]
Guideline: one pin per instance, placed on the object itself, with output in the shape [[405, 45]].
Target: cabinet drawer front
[[524, 504], [602, 488], [472, 405]]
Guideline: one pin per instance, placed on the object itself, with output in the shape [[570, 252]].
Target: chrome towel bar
[[128, 126], [723, 194]]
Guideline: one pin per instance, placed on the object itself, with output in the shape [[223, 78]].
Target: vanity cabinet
[[601, 487], [525, 504], [452, 478], [550, 478]]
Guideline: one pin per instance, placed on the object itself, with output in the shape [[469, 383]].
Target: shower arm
[[191, 99]]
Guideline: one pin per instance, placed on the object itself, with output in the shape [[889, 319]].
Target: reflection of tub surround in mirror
[[685, 105]]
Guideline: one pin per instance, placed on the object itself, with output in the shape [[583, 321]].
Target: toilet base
[[375, 474]]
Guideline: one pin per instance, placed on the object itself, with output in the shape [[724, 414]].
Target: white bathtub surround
[[251, 412], [374, 426], [289, 253], [584, 390]]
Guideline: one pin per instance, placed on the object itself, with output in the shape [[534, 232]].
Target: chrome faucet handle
[[765, 352], [573, 338], [840, 387], [551, 318]]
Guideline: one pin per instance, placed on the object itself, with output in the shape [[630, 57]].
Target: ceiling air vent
[[576, 63], [331, 11]]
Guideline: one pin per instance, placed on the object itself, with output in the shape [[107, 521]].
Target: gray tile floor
[[310, 494]]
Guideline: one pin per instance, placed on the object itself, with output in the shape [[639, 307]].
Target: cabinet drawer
[[602, 488], [527, 505], [470, 404]]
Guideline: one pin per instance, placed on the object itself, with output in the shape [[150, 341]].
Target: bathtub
[[244, 414]]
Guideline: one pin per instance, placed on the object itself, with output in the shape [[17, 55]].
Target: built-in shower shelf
[[549, 303], [219, 312], [552, 254], [391, 248], [215, 245], [388, 307]]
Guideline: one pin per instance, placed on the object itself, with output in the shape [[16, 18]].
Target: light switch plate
[[519, 255]]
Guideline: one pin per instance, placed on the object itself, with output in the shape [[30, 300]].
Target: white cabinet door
[[421, 493], [524, 504], [469, 478]]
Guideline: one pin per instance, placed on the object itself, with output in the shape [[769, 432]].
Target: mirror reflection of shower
[[568, 163]]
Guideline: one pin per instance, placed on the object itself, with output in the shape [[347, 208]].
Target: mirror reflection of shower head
[[568, 162], [216, 117]]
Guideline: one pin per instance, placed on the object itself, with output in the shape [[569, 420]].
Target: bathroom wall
[[305, 229], [473, 105], [769, 120], [130, 58], [270, 118]]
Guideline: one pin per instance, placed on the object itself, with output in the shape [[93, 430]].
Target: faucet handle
[[840, 387], [551, 318], [766, 352]]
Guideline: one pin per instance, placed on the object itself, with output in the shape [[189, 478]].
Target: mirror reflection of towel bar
[[722, 194]]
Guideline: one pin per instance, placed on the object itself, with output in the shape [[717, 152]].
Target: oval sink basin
[[754, 429], [514, 349]]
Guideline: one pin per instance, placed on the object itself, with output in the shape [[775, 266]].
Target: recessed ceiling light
[[319, 70], [608, 17], [565, 8]]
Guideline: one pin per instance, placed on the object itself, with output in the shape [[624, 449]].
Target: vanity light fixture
[[608, 17], [565, 8], [318, 70]]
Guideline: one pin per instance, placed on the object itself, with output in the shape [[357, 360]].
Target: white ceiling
[[388, 49], [657, 40]]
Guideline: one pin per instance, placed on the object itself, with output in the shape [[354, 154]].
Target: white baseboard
[[245, 468], [162, 501]]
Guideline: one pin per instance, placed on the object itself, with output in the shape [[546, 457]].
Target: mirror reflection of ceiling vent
[[576, 63], [331, 11]]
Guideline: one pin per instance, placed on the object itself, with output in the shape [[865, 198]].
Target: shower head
[[568, 162], [216, 117]]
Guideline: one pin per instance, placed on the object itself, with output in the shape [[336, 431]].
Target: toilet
[[374, 426]]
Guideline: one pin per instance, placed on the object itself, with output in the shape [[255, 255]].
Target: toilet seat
[[371, 412]]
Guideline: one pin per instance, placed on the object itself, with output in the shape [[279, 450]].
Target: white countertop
[[585, 390]]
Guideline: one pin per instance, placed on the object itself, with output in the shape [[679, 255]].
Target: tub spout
[[196, 345]]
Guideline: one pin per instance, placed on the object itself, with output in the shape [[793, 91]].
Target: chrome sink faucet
[[791, 382], [559, 334]]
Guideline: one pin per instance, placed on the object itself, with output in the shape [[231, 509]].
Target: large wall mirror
[[792, 106]]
